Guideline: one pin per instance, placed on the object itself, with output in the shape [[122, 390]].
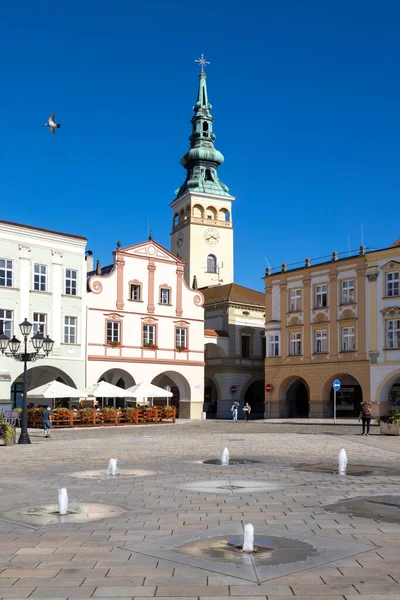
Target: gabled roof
[[232, 292], [150, 249]]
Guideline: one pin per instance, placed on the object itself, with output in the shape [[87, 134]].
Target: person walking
[[247, 411], [47, 424], [365, 416], [234, 411]]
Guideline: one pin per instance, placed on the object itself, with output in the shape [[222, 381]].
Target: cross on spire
[[202, 61]]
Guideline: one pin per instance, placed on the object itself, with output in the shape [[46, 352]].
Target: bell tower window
[[205, 129], [208, 176], [211, 263]]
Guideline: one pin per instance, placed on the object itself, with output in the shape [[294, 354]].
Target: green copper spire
[[202, 160]]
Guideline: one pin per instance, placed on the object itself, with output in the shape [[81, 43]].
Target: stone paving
[[171, 503]]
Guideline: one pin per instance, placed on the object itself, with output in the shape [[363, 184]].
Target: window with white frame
[[70, 330], [164, 296], [321, 342], [392, 284], [348, 292], [71, 282], [295, 344], [136, 292], [149, 335], [211, 263], [39, 323], [6, 272], [274, 344], [6, 322], [393, 334], [321, 296], [295, 300], [181, 337], [348, 339], [40, 278], [113, 331]]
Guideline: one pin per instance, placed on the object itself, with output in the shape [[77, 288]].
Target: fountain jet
[[62, 501], [342, 462], [224, 458], [112, 467], [248, 538]]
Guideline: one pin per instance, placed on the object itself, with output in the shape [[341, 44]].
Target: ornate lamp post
[[39, 342]]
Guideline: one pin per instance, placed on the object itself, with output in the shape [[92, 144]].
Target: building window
[[348, 295], [136, 292], [6, 273], [321, 342], [211, 263], [164, 296], [6, 322], [113, 332], [295, 300], [39, 323], [181, 337], [295, 344], [149, 335], [245, 346], [69, 330], [393, 334], [273, 345], [40, 278], [392, 284], [348, 339], [320, 296], [71, 280]]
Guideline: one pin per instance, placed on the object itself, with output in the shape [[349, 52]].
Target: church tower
[[202, 232]]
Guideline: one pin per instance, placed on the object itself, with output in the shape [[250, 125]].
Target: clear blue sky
[[306, 101]]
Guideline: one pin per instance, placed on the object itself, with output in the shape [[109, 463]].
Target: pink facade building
[[145, 324]]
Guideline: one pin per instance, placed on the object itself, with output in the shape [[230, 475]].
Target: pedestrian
[[247, 411], [47, 424], [365, 416], [234, 410]]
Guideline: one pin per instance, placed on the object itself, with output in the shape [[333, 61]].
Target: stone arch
[[213, 351], [37, 376], [121, 379], [179, 387], [181, 215], [223, 215], [198, 211], [211, 213], [254, 394], [187, 212], [385, 388], [294, 396], [348, 398]]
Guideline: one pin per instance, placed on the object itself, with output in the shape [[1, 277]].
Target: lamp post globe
[[25, 328], [13, 345]]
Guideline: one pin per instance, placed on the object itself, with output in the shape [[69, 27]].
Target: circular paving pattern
[[102, 474], [232, 461], [49, 515], [352, 470]]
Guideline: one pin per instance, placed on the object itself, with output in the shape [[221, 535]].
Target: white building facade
[[146, 325], [43, 279]]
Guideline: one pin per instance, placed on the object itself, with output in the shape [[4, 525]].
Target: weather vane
[[202, 61]]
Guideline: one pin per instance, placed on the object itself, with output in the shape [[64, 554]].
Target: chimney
[[98, 268], [89, 261]]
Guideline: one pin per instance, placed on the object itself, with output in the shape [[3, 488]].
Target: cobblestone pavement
[[139, 555]]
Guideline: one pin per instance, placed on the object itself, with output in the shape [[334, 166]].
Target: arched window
[[208, 176], [211, 263], [176, 219], [211, 213], [205, 129], [198, 211], [181, 216]]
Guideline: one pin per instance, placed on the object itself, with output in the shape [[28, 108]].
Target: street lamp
[[39, 343]]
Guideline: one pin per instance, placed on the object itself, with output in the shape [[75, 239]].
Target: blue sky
[[306, 104]]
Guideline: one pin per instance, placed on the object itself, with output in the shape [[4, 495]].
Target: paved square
[[172, 501]]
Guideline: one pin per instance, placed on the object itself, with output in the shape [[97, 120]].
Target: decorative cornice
[[372, 277], [391, 311]]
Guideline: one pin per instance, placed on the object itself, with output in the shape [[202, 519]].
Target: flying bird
[[51, 124]]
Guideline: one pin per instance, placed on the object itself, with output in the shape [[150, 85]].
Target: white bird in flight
[[51, 124]]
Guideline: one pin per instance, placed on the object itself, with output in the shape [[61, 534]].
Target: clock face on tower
[[211, 236], [179, 239]]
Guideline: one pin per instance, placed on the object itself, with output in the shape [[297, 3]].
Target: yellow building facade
[[338, 319]]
